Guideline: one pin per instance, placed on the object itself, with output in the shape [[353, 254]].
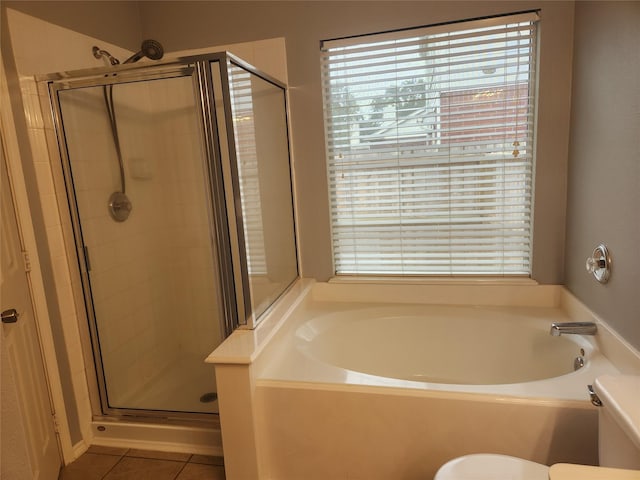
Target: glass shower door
[[152, 283], [258, 155]]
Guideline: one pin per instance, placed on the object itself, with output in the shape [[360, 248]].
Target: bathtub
[[481, 349], [442, 344], [336, 384]]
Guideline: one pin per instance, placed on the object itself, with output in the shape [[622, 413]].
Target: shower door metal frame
[[247, 318], [224, 218]]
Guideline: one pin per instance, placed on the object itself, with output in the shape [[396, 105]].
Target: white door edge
[[36, 283]]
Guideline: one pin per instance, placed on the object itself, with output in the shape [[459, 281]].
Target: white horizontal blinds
[[247, 159], [429, 140]]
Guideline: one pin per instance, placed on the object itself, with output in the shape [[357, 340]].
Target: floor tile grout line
[[144, 458], [180, 471], [114, 466]]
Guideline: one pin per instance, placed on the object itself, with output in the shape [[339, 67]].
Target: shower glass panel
[[153, 278], [263, 185]]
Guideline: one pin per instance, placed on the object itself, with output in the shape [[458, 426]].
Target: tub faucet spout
[[577, 328]]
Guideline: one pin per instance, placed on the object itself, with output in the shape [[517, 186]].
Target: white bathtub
[[443, 344], [335, 384], [504, 350]]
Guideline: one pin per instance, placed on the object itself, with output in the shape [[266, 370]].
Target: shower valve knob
[[122, 206], [599, 264], [593, 264], [119, 206]]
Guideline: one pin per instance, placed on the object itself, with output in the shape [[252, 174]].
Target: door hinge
[[27, 261], [56, 423]]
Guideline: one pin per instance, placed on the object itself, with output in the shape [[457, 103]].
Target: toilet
[[618, 439]]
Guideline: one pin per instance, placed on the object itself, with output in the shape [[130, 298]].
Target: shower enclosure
[[178, 183]]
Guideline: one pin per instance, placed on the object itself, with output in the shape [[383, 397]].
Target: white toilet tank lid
[[620, 395], [491, 466]]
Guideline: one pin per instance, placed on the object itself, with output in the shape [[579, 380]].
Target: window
[[429, 140]]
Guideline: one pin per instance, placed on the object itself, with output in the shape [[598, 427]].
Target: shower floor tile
[[109, 463], [179, 387]]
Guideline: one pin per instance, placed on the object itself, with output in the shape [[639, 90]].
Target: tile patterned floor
[[108, 463]]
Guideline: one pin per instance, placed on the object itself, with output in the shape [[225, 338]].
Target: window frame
[[532, 83]]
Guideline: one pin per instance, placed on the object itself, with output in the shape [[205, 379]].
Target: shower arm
[[99, 53]]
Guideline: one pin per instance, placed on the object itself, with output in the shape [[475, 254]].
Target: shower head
[[150, 49], [98, 53]]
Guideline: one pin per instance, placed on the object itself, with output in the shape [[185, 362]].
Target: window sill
[[432, 280]]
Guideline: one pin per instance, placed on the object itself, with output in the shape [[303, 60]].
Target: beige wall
[[604, 161], [116, 22], [304, 24]]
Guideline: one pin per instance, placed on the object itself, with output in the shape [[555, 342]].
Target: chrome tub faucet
[[576, 328]]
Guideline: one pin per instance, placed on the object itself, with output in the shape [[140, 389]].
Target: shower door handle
[[10, 316]]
